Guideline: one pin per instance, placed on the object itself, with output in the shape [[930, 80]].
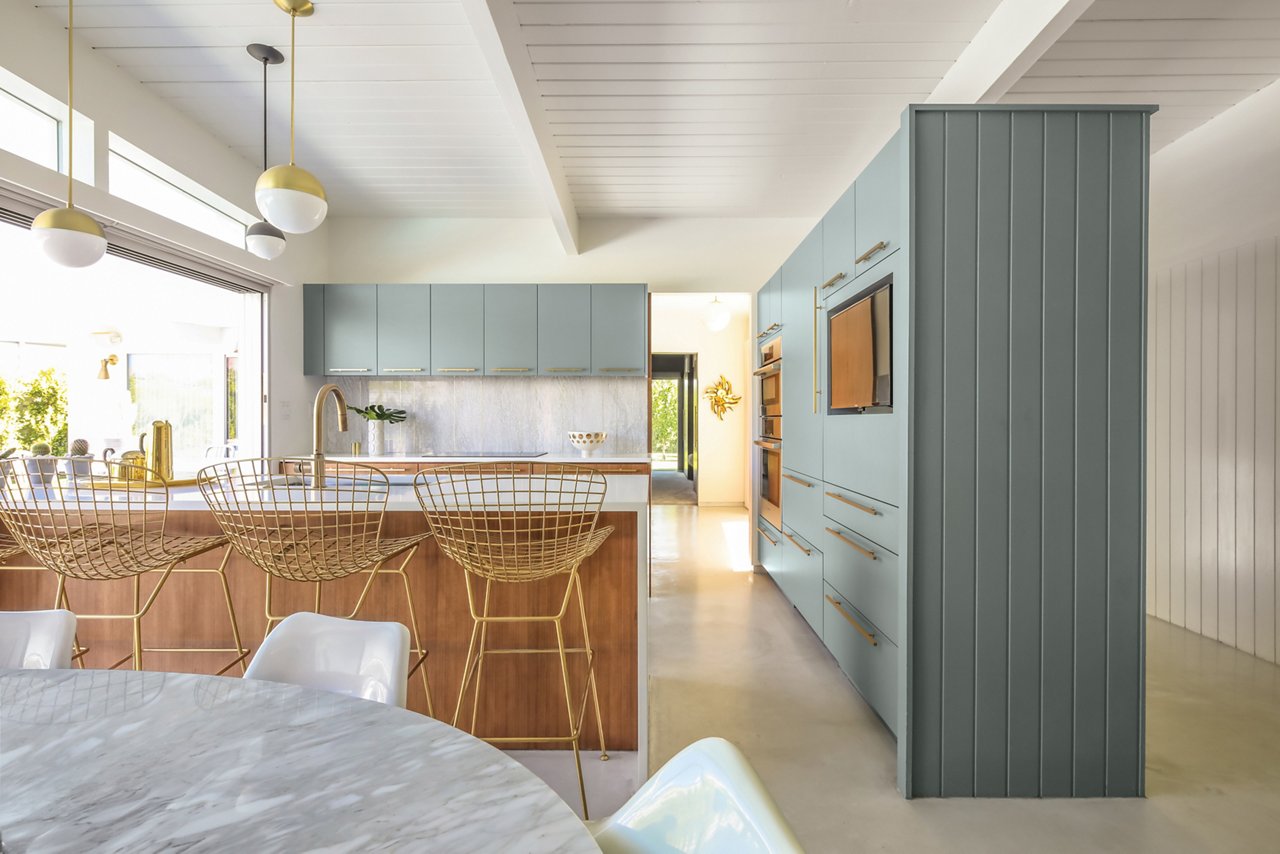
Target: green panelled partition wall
[[978, 548]]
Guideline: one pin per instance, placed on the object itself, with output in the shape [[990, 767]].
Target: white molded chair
[[36, 640], [707, 799], [352, 657]]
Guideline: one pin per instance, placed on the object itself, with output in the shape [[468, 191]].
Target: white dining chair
[[707, 799], [353, 657], [36, 640]]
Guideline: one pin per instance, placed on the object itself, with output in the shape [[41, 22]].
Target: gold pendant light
[[68, 236], [290, 197]]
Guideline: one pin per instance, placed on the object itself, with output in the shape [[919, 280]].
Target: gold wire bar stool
[[512, 523], [296, 532], [107, 524], [9, 548]]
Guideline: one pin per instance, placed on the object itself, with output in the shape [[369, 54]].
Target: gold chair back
[[8, 545], [514, 521], [291, 530], [102, 524]]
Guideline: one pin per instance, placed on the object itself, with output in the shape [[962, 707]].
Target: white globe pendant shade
[[264, 240], [291, 199], [69, 237], [718, 316]]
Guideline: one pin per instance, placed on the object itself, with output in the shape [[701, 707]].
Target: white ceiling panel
[[1192, 58]]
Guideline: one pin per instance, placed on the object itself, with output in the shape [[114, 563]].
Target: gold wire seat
[[295, 532], [8, 545], [106, 524], [511, 523]]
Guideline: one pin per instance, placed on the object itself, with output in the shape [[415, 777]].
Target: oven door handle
[[768, 370], [768, 446]]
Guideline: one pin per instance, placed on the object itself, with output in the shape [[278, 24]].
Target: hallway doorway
[[673, 439]]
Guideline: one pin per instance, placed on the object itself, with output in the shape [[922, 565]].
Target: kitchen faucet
[[317, 436]]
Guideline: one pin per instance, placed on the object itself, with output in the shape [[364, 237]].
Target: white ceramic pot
[[377, 438], [586, 443]]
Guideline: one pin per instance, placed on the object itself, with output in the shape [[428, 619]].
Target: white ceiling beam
[[1015, 36], [512, 72]]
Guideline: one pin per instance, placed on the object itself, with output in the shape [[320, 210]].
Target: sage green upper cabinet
[[350, 329], [769, 307], [878, 193], [404, 330], [801, 282], [564, 330], [839, 243], [510, 333], [457, 330], [619, 345], [313, 330]]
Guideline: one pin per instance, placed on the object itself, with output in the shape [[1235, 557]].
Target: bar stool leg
[[484, 640], [137, 622], [574, 730], [419, 650], [60, 600], [591, 667], [241, 652], [468, 662]]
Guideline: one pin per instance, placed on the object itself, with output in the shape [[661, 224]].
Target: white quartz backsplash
[[487, 414]]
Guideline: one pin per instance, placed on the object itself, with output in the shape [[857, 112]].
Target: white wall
[[669, 255], [678, 327]]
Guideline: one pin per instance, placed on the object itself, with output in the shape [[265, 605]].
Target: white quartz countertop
[[568, 459]]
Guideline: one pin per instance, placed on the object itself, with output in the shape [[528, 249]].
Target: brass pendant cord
[[264, 114], [71, 109], [293, 74]]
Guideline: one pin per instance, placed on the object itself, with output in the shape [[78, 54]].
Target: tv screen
[[860, 351]]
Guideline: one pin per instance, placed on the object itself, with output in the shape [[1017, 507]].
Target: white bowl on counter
[[586, 443]]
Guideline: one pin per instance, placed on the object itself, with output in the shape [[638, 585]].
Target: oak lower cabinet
[[619, 332], [457, 330], [510, 330]]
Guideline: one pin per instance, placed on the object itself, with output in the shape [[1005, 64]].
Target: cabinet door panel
[[802, 577], [839, 242], [768, 312], [313, 330], [350, 329], [618, 342], [564, 330], [510, 330], [878, 193], [404, 330], [802, 358], [457, 329]]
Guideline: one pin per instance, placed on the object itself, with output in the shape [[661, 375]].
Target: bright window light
[[27, 131]]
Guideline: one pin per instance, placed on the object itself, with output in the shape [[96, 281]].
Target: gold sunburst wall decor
[[722, 398]]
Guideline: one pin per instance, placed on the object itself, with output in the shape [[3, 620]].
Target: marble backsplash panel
[[474, 414]]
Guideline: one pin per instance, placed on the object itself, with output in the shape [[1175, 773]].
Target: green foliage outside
[[33, 411], [666, 417]]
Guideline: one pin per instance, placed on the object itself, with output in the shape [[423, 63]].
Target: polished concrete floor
[[673, 487]]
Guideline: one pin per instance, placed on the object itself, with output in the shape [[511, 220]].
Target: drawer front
[[801, 577], [769, 546], [869, 659], [864, 573], [875, 520], [802, 504]]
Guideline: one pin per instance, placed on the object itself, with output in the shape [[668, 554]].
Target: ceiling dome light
[[264, 240], [290, 197], [70, 237], [718, 316]]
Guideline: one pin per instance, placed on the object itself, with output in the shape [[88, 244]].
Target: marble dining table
[[105, 760]]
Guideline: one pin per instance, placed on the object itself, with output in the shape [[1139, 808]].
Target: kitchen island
[[522, 694]]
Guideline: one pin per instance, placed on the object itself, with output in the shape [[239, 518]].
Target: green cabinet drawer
[[870, 517], [864, 573], [768, 547], [866, 656], [801, 576], [801, 503]]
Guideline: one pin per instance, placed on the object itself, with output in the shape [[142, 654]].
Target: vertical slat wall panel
[[1160, 451], [1177, 451], [1028, 445], [1226, 396]]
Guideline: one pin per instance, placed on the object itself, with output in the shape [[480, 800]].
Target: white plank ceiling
[[1194, 58], [397, 110], [729, 107]]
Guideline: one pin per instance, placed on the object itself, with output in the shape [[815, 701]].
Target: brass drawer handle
[[795, 479], [807, 552], [565, 370], [774, 326], [619, 370], [348, 370], [868, 636], [621, 471], [831, 281], [851, 544], [864, 508], [387, 469], [873, 250], [511, 370], [402, 370], [765, 534], [457, 370]]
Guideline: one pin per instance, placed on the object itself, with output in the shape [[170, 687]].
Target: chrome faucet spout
[[317, 435]]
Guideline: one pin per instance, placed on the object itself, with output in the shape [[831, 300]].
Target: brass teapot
[[160, 440]]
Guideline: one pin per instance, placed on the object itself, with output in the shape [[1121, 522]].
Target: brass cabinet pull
[[864, 508], [349, 370], [850, 543], [873, 250], [511, 370], [457, 370], [391, 468], [775, 326], [765, 534], [762, 334], [868, 636], [815, 350], [619, 370], [565, 370], [831, 281], [768, 446], [795, 543], [795, 479], [402, 370]]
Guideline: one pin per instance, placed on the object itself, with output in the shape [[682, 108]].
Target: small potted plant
[[42, 468], [377, 418]]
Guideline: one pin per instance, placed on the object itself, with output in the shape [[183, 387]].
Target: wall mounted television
[[860, 351]]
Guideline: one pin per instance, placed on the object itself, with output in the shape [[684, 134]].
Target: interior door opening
[[673, 441]]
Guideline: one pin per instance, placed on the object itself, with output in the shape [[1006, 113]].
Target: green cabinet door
[[404, 330], [768, 309], [350, 329], [457, 330], [619, 343], [879, 193], [313, 330], [564, 330], [803, 357], [510, 330], [839, 243]]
